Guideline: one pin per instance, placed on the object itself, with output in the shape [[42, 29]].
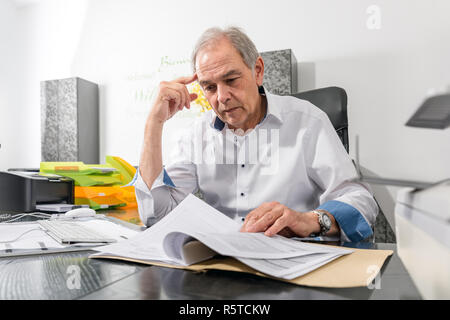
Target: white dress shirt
[[292, 156]]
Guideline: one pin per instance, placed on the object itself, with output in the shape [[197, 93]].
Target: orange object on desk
[[106, 197]]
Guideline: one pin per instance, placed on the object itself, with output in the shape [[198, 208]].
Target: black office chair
[[333, 101]]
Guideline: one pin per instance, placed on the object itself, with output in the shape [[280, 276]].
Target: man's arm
[[150, 164], [172, 97], [156, 192]]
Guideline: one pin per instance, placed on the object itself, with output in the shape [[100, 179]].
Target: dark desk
[[48, 277]]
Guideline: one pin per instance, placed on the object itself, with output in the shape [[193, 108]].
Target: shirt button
[[242, 194], [243, 165], [243, 219]]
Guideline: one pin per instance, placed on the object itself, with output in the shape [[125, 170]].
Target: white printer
[[422, 226], [422, 213]]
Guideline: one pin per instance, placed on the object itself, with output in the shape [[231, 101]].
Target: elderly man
[[279, 166]]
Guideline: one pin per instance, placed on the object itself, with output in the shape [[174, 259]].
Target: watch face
[[326, 220]]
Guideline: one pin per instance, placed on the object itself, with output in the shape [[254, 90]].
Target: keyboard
[[70, 232]]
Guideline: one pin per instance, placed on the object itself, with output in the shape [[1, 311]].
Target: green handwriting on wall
[[166, 62], [146, 92]]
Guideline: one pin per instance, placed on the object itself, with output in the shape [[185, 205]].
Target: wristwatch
[[324, 222]]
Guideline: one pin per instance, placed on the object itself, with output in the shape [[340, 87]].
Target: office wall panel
[[280, 71], [69, 120]]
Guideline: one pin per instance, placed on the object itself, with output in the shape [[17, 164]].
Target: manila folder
[[357, 269]]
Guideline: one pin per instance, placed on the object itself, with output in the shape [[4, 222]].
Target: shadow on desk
[[166, 283]]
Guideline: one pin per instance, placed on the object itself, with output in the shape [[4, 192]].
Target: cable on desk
[[22, 215], [5, 216], [8, 241]]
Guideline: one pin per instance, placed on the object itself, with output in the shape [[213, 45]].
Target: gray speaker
[[70, 121], [280, 71]]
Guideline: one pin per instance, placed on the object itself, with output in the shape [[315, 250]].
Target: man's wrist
[[324, 221], [314, 222]]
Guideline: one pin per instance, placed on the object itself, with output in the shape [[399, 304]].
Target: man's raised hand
[[172, 97]]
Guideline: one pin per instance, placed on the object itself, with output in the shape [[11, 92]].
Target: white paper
[[257, 245], [199, 220], [312, 267], [194, 219], [292, 267]]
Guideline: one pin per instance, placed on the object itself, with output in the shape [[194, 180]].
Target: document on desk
[[194, 232]]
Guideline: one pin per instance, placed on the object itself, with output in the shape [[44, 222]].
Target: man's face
[[229, 85]]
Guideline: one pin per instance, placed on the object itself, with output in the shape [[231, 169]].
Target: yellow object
[[100, 186], [106, 197], [128, 196], [201, 99], [84, 174], [98, 197], [75, 168], [126, 170]]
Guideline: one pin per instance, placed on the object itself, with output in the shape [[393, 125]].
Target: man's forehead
[[212, 76]]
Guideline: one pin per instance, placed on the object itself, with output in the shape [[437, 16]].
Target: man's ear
[[259, 71]]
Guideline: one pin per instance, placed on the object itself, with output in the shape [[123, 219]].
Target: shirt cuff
[[166, 179], [350, 220], [162, 179]]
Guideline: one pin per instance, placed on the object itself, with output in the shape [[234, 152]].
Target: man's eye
[[210, 88], [230, 81]]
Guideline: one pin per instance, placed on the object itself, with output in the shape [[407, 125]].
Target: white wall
[[38, 41], [10, 102], [386, 72]]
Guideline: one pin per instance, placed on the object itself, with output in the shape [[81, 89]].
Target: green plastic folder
[[84, 175]]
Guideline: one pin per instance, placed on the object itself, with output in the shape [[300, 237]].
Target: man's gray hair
[[239, 40]]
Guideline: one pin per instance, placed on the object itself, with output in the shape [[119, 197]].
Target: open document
[[194, 232]]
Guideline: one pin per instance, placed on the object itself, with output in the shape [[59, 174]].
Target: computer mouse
[[80, 212]]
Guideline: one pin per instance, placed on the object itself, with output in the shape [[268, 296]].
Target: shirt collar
[[272, 111]]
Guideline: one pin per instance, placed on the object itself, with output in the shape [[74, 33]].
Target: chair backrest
[[333, 101]]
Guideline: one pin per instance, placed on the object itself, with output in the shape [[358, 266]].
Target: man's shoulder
[[289, 106]]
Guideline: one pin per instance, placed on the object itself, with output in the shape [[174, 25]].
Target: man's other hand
[[274, 218]]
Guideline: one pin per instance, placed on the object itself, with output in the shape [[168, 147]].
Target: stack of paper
[[194, 232]]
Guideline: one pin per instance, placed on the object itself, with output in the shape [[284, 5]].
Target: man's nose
[[223, 94]]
